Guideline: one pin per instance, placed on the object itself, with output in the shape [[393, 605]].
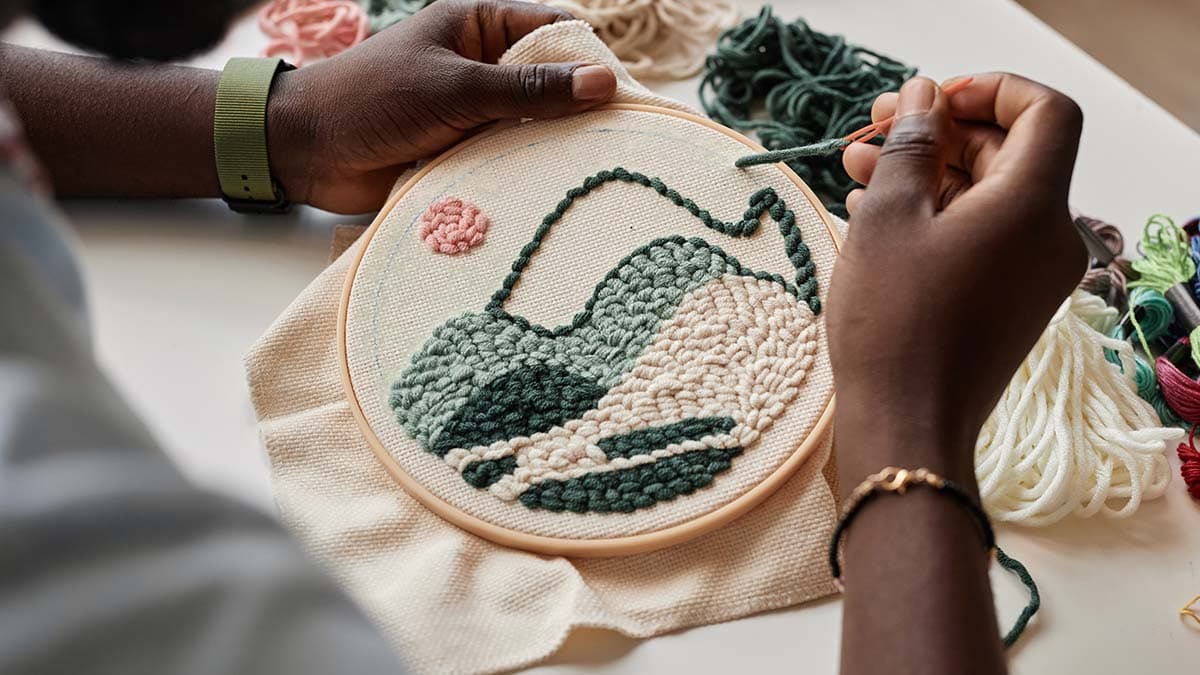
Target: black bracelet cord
[[894, 480]]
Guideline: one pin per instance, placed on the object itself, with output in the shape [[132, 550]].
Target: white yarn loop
[[1070, 434], [656, 39]]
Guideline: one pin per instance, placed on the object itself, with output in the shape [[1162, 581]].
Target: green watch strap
[[240, 135]]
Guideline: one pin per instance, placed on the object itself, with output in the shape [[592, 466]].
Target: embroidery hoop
[[546, 545]]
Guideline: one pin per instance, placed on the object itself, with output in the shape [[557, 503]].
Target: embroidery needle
[[872, 130]]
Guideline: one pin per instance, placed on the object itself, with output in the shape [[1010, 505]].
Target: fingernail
[[916, 97], [592, 83]]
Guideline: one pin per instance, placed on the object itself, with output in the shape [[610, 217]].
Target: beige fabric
[[454, 603], [574, 41]]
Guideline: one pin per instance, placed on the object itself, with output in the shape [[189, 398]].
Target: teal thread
[[626, 490]]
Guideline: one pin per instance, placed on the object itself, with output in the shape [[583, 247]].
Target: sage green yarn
[[384, 13], [811, 86]]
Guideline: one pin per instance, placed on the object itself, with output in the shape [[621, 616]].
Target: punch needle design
[[679, 362]]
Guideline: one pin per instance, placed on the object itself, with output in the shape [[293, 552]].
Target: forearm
[[917, 597], [105, 128]]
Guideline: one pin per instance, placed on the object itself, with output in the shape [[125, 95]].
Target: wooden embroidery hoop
[[584, 548]]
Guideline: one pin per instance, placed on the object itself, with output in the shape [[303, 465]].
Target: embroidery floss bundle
[[307, 30], [1189, 467], [813, 87], [1070, 434], [1168, 268]]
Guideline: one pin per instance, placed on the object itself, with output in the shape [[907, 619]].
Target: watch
[[240, 136]]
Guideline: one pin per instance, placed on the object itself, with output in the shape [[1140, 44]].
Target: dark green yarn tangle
[[812, 87], [763, 201]]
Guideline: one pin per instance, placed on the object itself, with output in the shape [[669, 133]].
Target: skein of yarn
[[305, 30], [1070, 434], [813, 87], [655, 39], [1189, 466], [1168, 268]]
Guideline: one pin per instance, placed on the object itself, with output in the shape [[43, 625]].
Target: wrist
[[871, 434], [290, 137]]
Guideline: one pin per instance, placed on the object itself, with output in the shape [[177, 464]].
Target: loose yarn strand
[[815, 89], [1035, 598]]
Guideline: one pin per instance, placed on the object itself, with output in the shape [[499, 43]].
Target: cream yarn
[[1070, 434], [656, 39]]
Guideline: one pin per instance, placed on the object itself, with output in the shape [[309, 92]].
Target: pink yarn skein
[[452, 225], [305, 30]]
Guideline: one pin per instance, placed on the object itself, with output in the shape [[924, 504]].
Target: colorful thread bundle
[[1070, 434], [1163, 312], [813, 87], [306, 30]]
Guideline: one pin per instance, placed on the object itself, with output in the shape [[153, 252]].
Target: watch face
[[593, 335]]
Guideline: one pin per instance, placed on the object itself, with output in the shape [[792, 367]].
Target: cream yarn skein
[[1070, 434], [656, 39]]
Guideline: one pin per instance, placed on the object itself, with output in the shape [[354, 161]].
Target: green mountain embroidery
[[678, 361]]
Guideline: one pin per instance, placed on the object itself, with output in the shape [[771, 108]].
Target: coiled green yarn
[[1167, 261], [812, 87]]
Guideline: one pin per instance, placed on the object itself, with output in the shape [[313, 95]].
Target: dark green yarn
[[812, 87], [626, 490], [485, 472], [765, 200], [645, 441], [1035, 599], [518, 403]]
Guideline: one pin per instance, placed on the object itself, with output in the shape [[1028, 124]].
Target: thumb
[[539, 89], [908, 174]]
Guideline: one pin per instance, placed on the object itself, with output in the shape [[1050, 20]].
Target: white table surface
[[180, 290]]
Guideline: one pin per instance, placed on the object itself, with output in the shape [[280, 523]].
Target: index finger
[[1043, 126]]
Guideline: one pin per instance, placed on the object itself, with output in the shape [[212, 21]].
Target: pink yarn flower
[[452, 225]]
